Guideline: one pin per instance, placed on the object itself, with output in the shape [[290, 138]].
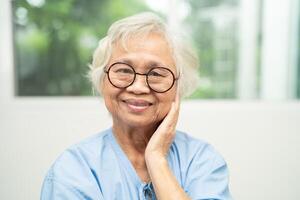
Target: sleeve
[[55, 190], [70, 177], [208, 176]]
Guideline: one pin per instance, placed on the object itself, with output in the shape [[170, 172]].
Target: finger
[[177, 101], [174, 111], [170, 121]]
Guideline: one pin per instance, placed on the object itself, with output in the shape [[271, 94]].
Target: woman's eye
[[124, 71], [154, 73]]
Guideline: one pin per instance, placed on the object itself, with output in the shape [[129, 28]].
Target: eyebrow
[[149, 65], [124, 60]]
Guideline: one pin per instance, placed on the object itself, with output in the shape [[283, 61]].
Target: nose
[[139, 86]]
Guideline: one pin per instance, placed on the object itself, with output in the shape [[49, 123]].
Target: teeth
[[137, 106], [136, 103]]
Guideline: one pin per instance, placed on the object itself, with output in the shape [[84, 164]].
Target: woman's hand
[[162, 138], [164, 182]]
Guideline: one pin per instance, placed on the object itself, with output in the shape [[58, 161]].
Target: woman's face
[[137, 105]]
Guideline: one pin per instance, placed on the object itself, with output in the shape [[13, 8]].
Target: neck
[[133, 140]]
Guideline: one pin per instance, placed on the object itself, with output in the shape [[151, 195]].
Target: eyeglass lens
[[158, 79]]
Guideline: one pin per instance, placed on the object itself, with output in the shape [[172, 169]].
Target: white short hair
[[141, 25]]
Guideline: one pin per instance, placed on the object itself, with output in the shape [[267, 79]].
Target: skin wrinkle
[[144, 121], [133, 130], [145, 133], [124, 31]]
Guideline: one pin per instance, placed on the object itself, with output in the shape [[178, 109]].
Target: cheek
[[108, 103], [165, 109], [110, 96]]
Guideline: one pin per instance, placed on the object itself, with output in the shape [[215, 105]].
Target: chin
[[138, 123]]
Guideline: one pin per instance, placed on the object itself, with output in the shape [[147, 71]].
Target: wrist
[[155, 159]]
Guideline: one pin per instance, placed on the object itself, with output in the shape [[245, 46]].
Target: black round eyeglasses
[[122, 75]]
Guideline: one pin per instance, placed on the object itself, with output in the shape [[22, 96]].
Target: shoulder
[[195, 154], [72, 175], [190, 145], [79, 158], [204, 171]]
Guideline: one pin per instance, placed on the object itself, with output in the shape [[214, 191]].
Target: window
[[54, 41], [298, 57]]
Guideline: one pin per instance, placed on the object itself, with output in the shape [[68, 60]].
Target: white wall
[[259, 140]]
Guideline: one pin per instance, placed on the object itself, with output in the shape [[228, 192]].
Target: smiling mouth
[[137, 105]]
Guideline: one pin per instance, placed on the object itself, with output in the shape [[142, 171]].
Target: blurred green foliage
[[215, 36], [54, 41]]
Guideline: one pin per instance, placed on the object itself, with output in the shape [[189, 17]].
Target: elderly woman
[[142, 70]]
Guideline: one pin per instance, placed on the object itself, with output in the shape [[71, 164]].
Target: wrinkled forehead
[[146, 48]]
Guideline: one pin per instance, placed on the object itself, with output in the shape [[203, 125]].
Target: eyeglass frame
[[141, 74]]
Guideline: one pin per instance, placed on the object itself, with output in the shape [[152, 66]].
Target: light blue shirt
[[97, 168]]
